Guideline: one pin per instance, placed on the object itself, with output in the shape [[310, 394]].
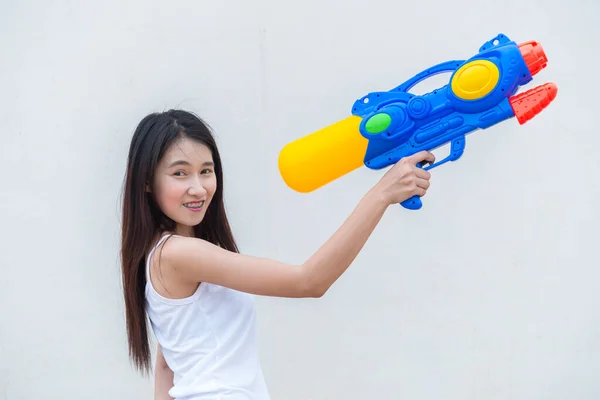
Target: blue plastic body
[[434, 119]]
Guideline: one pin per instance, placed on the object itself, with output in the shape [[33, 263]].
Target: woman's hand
[[405, 179]]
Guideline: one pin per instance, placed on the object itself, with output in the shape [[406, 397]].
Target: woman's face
[[184, 183]]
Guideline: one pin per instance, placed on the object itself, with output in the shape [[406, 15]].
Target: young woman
[[182, 269]]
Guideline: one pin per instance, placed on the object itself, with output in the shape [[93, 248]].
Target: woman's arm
[[195, 260], [163, 377]]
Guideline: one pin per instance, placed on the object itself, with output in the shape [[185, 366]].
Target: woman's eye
[[179, 173], [206, 171]]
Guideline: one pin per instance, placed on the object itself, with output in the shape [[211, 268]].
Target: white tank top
[[209, 341]]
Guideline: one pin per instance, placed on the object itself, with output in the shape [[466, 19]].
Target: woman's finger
[[423, 183]]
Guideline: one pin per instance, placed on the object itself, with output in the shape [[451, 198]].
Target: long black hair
[[142, 219]]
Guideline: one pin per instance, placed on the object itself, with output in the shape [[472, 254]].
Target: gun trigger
[[457, 148]]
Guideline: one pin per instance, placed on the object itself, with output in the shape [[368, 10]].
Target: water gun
[[389, 125]]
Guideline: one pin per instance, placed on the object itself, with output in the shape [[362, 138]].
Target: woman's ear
[[148, 188]]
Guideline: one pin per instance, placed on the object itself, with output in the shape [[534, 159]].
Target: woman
[[181, 266]]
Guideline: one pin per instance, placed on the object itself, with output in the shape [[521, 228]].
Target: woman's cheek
[[176, 191]]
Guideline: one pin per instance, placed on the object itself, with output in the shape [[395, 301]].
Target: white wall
[[454, 301]]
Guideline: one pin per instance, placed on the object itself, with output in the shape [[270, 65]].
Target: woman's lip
[[195, 206], [194, 202]]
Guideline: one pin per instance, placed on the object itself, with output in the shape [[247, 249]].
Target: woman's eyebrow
[[186, 163]]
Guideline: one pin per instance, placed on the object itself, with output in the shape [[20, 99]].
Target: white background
[[489, 292]]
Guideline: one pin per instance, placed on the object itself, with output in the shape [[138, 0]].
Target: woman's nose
[[196, 189]]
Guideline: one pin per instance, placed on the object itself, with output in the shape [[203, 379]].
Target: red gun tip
[[534, 56], [551, 90], [528, 104]]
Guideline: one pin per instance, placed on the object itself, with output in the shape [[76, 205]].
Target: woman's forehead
[[190, 151]]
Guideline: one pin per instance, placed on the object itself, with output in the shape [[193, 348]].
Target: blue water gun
[[390, 125]]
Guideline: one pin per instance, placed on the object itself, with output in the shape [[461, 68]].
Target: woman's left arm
[[163, 377]]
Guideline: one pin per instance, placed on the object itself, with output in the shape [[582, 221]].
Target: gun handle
[[415, 202]]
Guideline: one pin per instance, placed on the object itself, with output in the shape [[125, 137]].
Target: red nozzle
[[528, 104], [534, 56]]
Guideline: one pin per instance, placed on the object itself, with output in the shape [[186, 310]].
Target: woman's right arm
[[195, 260]]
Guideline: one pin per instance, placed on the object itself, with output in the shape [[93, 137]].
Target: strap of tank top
[[162, 239]]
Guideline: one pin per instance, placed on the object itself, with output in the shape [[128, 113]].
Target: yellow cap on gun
[[315, 160]]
